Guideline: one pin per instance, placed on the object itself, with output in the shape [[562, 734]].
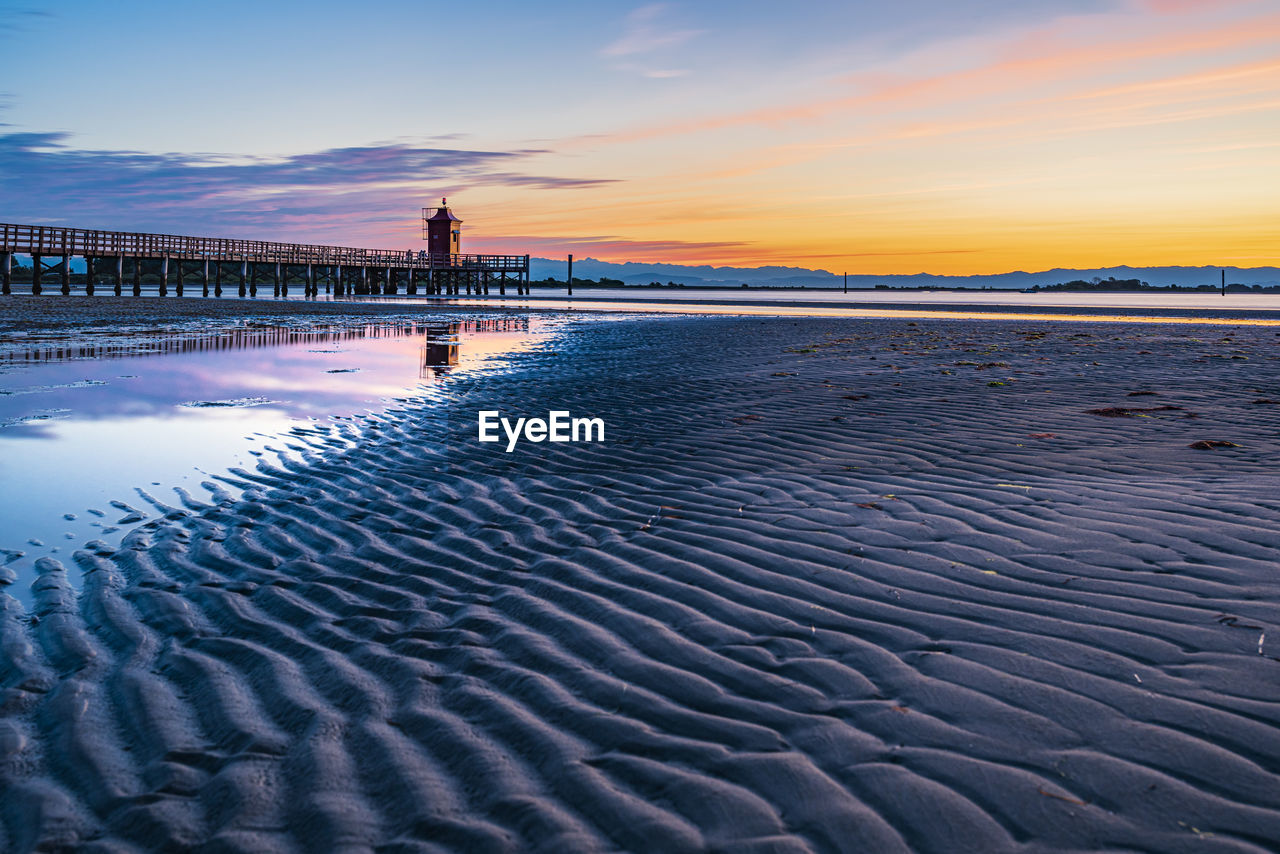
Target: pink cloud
[[1028, 63]]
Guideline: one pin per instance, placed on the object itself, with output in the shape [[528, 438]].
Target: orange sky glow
[[1147, 136]]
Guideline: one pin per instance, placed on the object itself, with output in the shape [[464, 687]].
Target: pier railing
[[47, 240]]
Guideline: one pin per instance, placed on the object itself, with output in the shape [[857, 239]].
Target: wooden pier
[[212, 264]]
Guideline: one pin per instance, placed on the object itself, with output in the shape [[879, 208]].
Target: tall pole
[[569, 279], [1224, 283], [846, 283]]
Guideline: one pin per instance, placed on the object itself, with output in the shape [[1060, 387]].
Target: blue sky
[[647, 131], [288, 77]]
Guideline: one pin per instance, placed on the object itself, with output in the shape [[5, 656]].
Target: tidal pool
[[86, 430]]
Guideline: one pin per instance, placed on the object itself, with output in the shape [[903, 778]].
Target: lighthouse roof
[[443, 214]]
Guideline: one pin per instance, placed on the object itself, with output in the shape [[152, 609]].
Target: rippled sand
[[830, 585]]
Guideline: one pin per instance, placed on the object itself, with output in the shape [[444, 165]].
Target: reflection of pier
[[439, 352], [113, 258]]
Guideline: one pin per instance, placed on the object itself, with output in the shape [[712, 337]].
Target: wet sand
[[829, 585]]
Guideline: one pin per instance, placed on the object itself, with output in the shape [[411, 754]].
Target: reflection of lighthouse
[[439, 351]]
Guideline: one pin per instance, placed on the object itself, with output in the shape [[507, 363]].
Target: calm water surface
[[83, 429], [1194, 301]]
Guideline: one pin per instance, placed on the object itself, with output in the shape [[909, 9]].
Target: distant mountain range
[[634, 273]]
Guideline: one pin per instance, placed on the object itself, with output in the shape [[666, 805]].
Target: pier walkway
[[113, 258]]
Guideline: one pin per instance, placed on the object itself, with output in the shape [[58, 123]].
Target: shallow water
[[83, 429], [1046, 299], [1198, 301], [975, 312], [1208, 307]]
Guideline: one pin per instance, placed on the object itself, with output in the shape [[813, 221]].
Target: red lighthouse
[[442, 230]]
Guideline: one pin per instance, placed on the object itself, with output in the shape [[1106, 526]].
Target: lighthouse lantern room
[[442, 230]]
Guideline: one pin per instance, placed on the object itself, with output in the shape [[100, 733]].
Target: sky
[[938, 136]]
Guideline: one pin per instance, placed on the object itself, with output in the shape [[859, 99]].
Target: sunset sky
[[924, 135]]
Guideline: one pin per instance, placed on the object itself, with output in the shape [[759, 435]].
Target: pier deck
[[114, 257]]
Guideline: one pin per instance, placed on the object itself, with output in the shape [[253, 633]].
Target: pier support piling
[[37, 270], [118, 279], [164, 276], [137, 276], [66, 275], [6, 273]]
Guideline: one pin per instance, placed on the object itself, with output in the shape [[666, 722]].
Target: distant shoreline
[[1064, 288]]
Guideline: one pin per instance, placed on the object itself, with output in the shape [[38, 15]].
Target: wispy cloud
[[326, 195], [16, 19], [647, 41], [610, 246], [1178, 7], [1007, 86]]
